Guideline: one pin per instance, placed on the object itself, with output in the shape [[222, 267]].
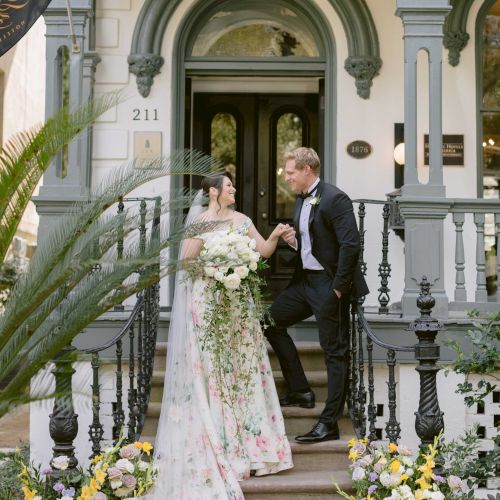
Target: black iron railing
[[137, 337], [361, 401]]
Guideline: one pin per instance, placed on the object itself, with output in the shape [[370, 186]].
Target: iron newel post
[[429, 418]]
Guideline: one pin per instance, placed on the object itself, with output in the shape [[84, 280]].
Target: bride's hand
[[280, 230]]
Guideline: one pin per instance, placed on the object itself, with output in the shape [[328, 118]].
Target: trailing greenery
[[483, 359]]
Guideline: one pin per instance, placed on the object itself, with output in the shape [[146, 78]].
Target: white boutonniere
[[315, 200]]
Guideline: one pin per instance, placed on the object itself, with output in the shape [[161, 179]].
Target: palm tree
[[62, 292]]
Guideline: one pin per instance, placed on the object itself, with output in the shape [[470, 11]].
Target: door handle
[[262, 193], [264, 215]]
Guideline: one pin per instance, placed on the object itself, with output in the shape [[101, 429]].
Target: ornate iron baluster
[[118, 413], [392, 428], [63, 424], [132, 394], [384, 269], [361, 387], [353, 402], [119, 243], [362, 231], [372, 411], [429, 417], [95, 429]]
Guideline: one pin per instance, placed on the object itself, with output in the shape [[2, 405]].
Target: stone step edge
[[314, 377], [335, 446], [301, 481], [302, 346]]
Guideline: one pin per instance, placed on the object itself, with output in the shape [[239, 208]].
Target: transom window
[[255, 29]]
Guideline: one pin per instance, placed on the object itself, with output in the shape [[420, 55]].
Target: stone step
[[297, 484], [317, 379], [297, 420], [329, 455], [311, 355]]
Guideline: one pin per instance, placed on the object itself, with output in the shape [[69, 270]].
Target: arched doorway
[[255, 79]]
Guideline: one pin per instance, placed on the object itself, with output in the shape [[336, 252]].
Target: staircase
[[317, 466]]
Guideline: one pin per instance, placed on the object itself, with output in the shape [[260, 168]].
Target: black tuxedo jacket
[[334, 239]]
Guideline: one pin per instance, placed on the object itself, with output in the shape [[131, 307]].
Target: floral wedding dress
[[212, 436]]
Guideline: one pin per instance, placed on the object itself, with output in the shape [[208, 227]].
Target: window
[[257, 30], [63, 100], [223, 140]]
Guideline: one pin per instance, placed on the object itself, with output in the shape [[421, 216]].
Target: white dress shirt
[[308, 260]]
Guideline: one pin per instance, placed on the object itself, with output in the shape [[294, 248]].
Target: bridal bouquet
[[229, 257], [391, 473], [229, 323]]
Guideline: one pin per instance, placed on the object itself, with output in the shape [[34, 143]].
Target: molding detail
[[363, 69], [145, 67], [455, 29], [363, 62]]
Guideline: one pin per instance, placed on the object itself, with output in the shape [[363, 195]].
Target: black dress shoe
[[320, 432], [302, 399]]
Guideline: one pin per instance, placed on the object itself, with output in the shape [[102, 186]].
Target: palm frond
[[26, 156]]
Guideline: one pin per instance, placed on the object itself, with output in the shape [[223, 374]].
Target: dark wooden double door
[[251, 133]]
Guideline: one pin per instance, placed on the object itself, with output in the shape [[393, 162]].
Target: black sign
[[358, 149], [16, 18], [453, 149]]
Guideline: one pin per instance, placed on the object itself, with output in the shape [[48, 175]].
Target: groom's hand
[[289, 237]]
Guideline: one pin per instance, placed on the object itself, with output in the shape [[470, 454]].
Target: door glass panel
[[223, 141], [491, 58], [289, 128], [259, 30]]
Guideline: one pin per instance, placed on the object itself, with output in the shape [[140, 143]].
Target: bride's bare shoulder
[[240, 218]]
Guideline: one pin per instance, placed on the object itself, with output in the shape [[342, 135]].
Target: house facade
[[247, 81]]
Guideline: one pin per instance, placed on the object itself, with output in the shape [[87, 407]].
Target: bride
[[209, 440]]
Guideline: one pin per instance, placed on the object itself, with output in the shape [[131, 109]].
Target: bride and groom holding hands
[[204, 445]]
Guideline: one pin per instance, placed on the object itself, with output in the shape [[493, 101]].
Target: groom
[[326, 240]]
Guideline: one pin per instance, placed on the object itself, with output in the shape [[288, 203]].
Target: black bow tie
[[304, 196]]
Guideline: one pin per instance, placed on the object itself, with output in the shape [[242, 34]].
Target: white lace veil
[[175, 427]]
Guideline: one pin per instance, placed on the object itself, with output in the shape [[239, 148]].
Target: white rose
[[390, 480], [115, 483], [254, 257], [252, 266], [232, 282], [241, 271], [123, 492], [409, 472], [358, 473], [437, 495], [142, 465], [218, 276], [209, 271], [455, 483], [61, 462], [252, 244], [407, 461], [125, 465]]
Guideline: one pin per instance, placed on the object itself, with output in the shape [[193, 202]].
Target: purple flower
[[373, 476], [99, 496], [70, 492], [58, 487], [439, 479], [372, 488], [129, 481], [46, 470], [114, 473]]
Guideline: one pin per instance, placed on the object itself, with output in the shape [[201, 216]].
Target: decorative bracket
[[455, 30], [363, 69], [145, 67]]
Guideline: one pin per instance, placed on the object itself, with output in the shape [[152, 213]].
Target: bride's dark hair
[[215, 181]]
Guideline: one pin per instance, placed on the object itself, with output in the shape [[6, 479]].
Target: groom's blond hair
[[304, 156]]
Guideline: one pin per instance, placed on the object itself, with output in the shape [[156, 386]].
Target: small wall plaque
[[453, 149], [147, 145], [359, 149]]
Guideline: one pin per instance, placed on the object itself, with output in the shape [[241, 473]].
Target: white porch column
[[423, 206]]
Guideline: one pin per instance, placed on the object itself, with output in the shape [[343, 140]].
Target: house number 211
[[145, 114]]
